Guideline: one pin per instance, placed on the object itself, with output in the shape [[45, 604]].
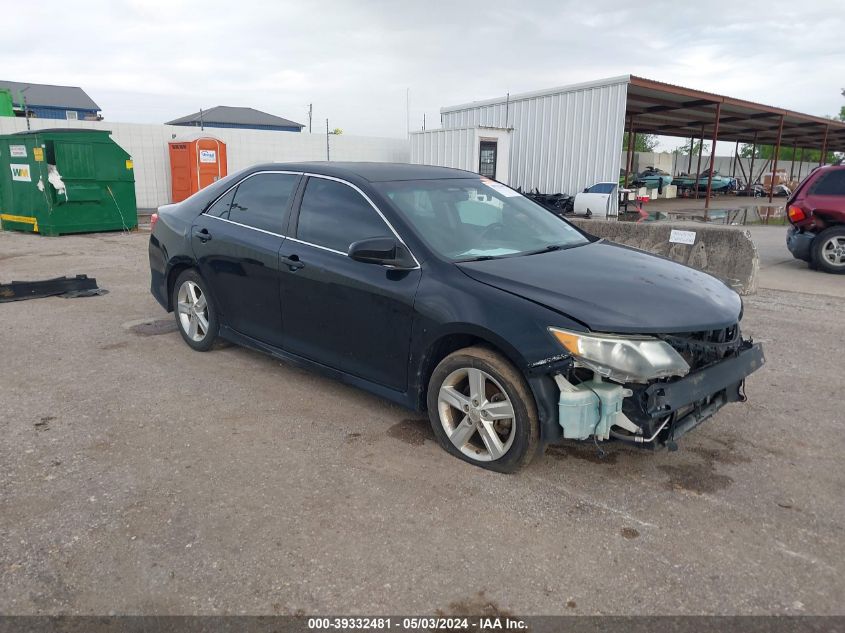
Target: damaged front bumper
[[689, 401], [659, 412]]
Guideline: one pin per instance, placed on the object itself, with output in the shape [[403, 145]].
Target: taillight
[[796, 214], [153, 220]]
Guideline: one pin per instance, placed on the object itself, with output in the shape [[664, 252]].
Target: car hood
[[613, 288]]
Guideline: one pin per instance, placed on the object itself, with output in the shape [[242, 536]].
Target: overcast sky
[[155, 60]]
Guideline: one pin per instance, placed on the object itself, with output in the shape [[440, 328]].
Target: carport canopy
[[655, 107]]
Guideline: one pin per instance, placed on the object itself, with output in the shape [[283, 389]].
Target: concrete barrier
[[724, 252]]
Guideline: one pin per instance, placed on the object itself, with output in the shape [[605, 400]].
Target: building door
[[487, 159]]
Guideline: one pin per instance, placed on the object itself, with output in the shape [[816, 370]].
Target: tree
[[642, 142], [767, 152], [684, 150]]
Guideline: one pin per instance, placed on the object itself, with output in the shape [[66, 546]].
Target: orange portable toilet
[[195, 164]]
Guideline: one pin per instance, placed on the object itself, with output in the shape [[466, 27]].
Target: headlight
[[622, 358]]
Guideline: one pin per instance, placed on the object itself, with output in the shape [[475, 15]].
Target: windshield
[[478, 218]]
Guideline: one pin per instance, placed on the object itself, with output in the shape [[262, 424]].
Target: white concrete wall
[[660, 160], [147, 144]]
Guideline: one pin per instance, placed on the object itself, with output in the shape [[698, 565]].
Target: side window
[[261, 201], [334, 215], [220, 209], [830, 184], [602, 187]]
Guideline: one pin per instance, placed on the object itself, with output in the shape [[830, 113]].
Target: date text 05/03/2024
[[416, 624]]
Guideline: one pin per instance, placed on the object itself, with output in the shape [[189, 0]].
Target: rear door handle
[[293, 263], [202, 234]]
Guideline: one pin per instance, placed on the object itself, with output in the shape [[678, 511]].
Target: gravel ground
[[138, 476]]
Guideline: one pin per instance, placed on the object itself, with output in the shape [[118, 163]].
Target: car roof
[[373, 172]]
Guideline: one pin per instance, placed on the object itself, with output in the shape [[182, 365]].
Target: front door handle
[[202, 234], [293, 263]]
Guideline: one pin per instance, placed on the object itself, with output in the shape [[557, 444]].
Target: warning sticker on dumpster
[[38, 154], [17, 151], [208, 156], [21, 172], [682, 237]]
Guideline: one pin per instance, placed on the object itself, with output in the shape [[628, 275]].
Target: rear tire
[[829, 250], [193, 308], [482, 411]]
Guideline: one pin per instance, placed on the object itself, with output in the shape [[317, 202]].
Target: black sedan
[[450, 293]]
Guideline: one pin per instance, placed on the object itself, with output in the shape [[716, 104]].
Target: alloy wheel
[[833, 251], [193, 311], [476, 414]]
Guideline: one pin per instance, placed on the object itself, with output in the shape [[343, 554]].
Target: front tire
[[829, 250], [194, 310], [482, 411]]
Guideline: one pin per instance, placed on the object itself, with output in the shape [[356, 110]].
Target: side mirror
[[387, 251], [586, 190]]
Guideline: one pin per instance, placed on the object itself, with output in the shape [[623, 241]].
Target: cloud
[[151, 61]]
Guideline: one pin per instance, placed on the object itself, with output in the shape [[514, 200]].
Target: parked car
[[453, 294], [816, 210]]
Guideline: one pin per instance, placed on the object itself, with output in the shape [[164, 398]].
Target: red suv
[[817, 212]]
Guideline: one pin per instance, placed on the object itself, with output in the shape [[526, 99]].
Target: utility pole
[[25, 108], [508, 110], [310, 110], [408, 112], [423, 121], [202, 124], [327, 141]]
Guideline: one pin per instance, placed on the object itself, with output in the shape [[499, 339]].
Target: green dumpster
[[65, 181], [6, 106]]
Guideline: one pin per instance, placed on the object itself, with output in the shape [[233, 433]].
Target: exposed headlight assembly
[[623, 358]]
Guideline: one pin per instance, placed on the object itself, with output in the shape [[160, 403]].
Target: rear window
[[830, 184], [261, 200]]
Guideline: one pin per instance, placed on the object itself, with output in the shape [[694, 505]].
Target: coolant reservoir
[[579, 410]]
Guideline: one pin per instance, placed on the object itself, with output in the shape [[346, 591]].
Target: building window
[[487, 159], [71, 115]]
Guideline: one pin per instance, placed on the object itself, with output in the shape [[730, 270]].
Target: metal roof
[[71, 97], [600, 83], [655, 107], [670, 110], [235, 116]]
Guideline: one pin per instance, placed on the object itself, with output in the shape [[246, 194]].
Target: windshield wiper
[[545, 249], [480, 258]]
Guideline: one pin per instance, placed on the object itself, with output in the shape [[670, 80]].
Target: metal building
[[485, 150], [562, 139], [568, 138]]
